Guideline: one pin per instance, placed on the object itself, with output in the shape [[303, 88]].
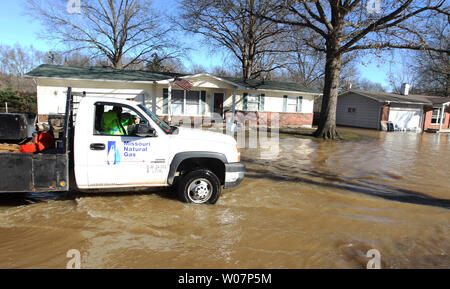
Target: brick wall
[[385, 114], [267, 118], [43, 118], [428, 112], [253, 118]]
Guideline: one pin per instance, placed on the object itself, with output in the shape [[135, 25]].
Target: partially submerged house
[[211, 97], [405, 112]]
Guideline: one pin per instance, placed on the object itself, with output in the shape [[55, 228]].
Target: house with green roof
[[210, 97]]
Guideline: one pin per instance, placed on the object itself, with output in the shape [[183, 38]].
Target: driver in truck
[[114, 122]]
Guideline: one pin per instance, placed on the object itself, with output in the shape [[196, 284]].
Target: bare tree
[[305, 64], [368, 85], [305, 67], [157, 64], [432, 68], [221, 71], [347, 26], [403, 72], [77, 59], [125, 32], [15, 62], [197, 69], [349, 73], [233, 25]]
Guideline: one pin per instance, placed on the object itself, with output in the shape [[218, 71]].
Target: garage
[[405, 118]]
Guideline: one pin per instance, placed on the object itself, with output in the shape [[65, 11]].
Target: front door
[[123, 159], [218, 103]]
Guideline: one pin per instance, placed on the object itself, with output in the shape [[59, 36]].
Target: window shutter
[[285, 97], [165, 101], [261, 102], [299, 104], [245, 101], [203, 103]]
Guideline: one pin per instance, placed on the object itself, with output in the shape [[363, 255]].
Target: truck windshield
[[164, 126]]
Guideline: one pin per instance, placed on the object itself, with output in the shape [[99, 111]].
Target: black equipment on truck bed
[[13, 126]]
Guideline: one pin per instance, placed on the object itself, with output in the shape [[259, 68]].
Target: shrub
[[17, 102]]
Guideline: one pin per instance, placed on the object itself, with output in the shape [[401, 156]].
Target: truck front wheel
[[199, 187]]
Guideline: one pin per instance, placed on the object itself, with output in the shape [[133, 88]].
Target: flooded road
[[318, 205]]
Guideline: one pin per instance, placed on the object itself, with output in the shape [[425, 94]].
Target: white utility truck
[[150, 153]]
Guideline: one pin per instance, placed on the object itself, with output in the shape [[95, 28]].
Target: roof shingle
[[399, 98], [83, 73], [94, 73], [271, 85]]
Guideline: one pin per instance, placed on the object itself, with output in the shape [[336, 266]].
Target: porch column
[[442, 117], [233, 107], [169, 102], [154, 99]]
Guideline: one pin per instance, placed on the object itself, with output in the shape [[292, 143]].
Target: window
[[177, 102], [436, 117], [352, 109], [184, 103], [300, 104], [254, 102], [292, 104], [115, 119], [192, 102]]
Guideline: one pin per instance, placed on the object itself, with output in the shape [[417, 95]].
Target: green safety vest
[[111, 124]]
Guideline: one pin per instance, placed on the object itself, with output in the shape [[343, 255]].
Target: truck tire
[[199, 187]]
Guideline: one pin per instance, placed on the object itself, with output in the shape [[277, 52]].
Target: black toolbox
[[13, 126]]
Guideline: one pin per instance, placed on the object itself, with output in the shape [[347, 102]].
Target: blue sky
[[18, 28]]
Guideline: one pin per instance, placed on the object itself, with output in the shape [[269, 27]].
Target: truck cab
[[150, 153]]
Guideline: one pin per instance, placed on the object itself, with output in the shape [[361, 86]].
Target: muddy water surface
[[318, 205]]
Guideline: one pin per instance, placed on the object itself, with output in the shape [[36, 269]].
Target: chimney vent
[[405, 88]]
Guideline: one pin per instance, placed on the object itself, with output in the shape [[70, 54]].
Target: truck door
[[119, 158]]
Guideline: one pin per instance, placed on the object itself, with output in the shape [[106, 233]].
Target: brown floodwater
[[320, 204]]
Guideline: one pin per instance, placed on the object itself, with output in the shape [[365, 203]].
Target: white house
[[210, 96]]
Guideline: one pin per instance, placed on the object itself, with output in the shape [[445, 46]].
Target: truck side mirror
[[145, 130]]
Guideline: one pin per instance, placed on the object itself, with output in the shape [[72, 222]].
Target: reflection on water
[[318, 205]]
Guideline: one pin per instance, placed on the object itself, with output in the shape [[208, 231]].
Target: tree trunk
[[116, 61], [247, 68], [327, 122], [117, 64]]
